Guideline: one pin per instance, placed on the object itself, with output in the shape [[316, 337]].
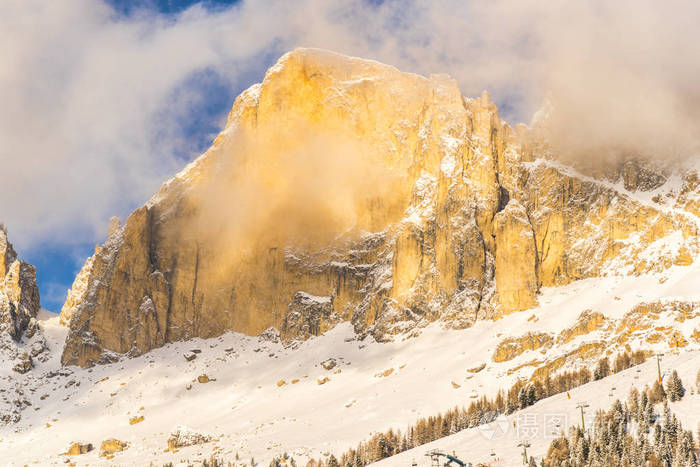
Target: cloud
[[93, 103]]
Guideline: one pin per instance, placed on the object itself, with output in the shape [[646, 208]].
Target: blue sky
[[127, 7]]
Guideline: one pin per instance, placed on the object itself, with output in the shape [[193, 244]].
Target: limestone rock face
[[344, 190], [19, 294], [22, 340], [77, 293], [516, 258]]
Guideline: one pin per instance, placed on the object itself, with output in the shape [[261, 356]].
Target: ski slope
[[265, 399], [497, 443]]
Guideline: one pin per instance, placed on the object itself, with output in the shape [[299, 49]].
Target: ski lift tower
[[582, 405], [658, 365], [435, 455]]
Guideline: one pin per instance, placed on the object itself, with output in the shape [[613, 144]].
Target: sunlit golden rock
[[19, 293], [342, 189]]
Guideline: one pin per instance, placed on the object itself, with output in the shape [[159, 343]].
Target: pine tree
[[602, 369], [643, 403], [657, 436], [675, 387], [522, 398], [657, 393], [684, 448], [531, 395], [633, 402]]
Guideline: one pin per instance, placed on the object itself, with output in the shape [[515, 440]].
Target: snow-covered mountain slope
[[498, 443], [327, 393]]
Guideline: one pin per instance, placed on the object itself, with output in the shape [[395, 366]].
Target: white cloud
[[83, 92]]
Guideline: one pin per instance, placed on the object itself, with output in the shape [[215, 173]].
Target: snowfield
[[327, 394]]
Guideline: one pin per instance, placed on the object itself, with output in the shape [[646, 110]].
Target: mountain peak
[[387, 196]]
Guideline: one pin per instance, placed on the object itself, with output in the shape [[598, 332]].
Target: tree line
[[520, 395], [630, 434], [483, 410]]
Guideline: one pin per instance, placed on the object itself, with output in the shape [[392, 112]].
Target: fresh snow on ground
[[265, 399], [497, 443]]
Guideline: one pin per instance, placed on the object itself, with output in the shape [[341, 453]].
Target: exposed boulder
[[203, 378], [24, 364], [77, 448], [329, 363], [111, 446]]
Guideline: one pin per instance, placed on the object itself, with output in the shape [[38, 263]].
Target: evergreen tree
[[531, 395], [602, 369], [520, 395], [657, 393], [643, 403], [522, 398], [610, 443], [674, 387], [650, 415], [633, 402]]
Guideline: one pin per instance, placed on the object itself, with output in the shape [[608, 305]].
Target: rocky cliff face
[[342, 189], [19, 294], [21, 338]]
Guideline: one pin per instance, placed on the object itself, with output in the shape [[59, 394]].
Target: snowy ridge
[[644, 198]]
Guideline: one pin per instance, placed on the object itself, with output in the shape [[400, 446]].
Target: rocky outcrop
[[22, 342], [344, 190], [19, 294], [76, 449], [24, 364], [309, 315], [183, 436], [586, 323], [511, 347], [111, 446]]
